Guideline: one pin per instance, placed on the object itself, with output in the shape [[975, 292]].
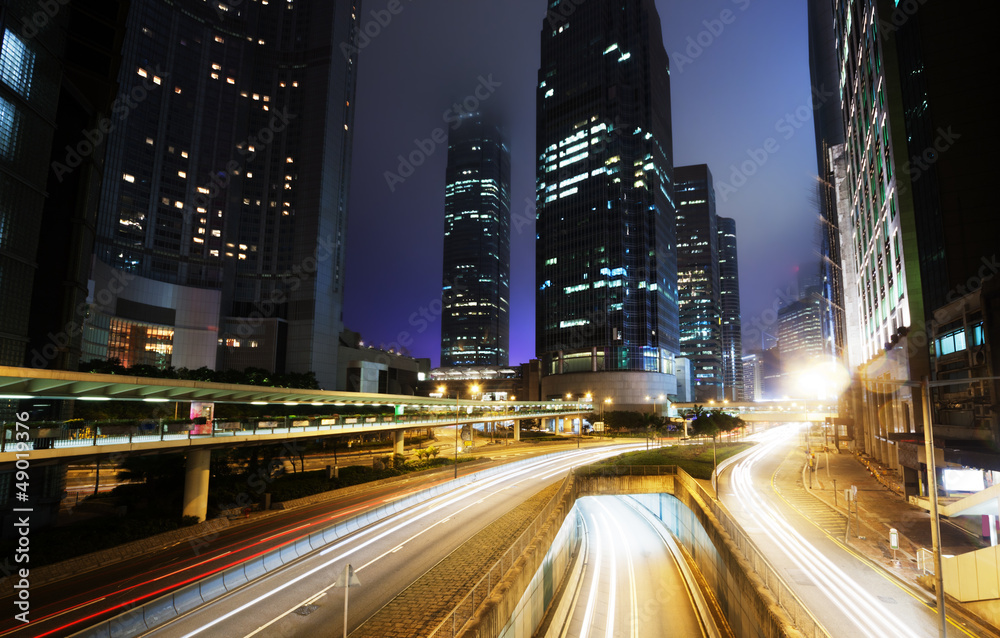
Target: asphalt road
[[301, 600], [69, 605], [849, 596], [632, 584]]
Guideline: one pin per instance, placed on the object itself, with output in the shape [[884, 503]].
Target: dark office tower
[[605, 254], [475, 296], [698, 282], [732, 325], [220, 236], [917, 212], [57, 83], [828, 126]]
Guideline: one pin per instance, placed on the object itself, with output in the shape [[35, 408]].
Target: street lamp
[[442, 390]]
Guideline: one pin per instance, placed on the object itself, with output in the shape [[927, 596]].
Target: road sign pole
[[346, 590]]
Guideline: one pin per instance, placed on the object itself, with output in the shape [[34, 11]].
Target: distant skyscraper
[[698, 281], [605, 260], [476, 289], [224, 203], [732, 325], [800, 338], [753, 378]]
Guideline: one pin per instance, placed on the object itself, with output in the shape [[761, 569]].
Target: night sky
[[748, 86]]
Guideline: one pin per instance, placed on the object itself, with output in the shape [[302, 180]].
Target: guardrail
[[145, 617], [98, 435], [467, 607]]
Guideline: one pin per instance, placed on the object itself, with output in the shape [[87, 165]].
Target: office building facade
[[475, 292], [221, 230], [729, 297], [698, 284], [606, 269], [914, 210]]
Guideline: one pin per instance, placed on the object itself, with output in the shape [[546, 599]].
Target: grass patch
[[695, 459]]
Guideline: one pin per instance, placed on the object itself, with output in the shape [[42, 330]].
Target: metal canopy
[[32, 383]]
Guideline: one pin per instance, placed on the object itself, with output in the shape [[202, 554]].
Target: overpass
[[795, 411], [21, 441]]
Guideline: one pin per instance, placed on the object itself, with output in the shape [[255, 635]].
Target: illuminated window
[[128, 178], [17, 63]]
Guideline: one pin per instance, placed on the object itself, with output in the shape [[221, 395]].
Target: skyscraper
[[732, 324], [828, 126], [915, 202], [223, 208], [698, 282], [606, 266], [800, 339], [475, 324]]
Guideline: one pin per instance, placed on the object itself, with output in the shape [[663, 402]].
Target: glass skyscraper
[[698, 280], [475, 296], [729, 299], [224, 200], [606, 265]]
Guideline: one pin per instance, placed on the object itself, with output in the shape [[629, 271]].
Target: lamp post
[[442, 390], [925, 386]]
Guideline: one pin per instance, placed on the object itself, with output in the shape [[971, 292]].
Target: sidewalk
[[879, 509]]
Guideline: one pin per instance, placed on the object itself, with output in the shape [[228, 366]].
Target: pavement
[[880, 507]]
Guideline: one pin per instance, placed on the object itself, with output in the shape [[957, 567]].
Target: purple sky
[[748, 86]]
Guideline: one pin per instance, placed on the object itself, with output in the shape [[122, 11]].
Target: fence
[[467, 607]]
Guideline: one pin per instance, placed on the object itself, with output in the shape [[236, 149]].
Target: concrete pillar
[[196, 484], [517, 429], [397, 441]]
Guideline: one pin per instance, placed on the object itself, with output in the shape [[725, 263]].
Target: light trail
[[434, 505], [868, 615]]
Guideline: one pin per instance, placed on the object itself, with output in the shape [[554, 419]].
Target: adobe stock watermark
[[900, 15], [453, 117], [787, 126], [248, 150], [920, 164], [697, 44], [364, 34], [47, 10], [121, 108], [59, 341]]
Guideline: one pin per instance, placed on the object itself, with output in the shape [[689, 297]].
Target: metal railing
[[785, 597], [98, 434], [466, 608]]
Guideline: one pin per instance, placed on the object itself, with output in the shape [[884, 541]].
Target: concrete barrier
[[751, 594], [132, 623]]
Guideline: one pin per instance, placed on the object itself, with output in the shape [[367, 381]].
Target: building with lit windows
[[753, 378], [222, 218], [828, 127], [732, 323], [800, 339], [606, 265], [915, 204], [698, 283], [57, 81], [475, 293]]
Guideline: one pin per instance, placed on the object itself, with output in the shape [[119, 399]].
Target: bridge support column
[[196, 484], [398, 437], [517, 430]]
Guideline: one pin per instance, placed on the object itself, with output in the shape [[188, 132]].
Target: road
[[301, 600], [632, 584], [846, 594], [69, 605]]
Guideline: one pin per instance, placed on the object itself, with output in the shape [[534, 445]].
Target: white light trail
[[867, 613]]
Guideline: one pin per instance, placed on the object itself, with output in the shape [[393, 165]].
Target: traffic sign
[[893, 538], [348, 578]]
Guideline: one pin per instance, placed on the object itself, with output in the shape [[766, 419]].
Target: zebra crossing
[[824, 516]]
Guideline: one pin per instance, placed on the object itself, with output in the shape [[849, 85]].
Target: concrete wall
[[752, 596]]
